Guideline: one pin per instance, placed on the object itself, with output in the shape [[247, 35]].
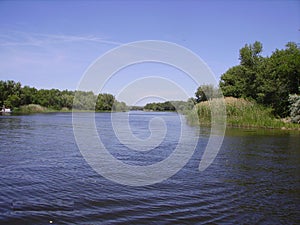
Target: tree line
[[269, 81], [272, 81], [13, 95], [180, 106]]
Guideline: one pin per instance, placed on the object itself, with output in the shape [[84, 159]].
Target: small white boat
[[5, 110]]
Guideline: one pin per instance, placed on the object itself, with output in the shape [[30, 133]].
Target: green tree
[[250, 55], [206, 92], [119, 106], [200, 95], [105, 102], [12, 101], [268, 80], [84, 100], [67, 98], [27, 95], [2, 93], [279, 77], [233, 82], [10, 93]]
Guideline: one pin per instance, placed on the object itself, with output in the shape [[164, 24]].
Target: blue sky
[[50, 44]]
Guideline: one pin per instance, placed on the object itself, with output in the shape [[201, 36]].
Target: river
[[44, 179]]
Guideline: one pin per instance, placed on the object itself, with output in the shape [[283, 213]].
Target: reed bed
[[239, 113]]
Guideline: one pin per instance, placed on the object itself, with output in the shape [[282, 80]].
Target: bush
[[32, 108], [295, 108]]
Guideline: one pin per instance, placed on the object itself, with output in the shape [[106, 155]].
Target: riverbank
[[240, 113], [34, 108]]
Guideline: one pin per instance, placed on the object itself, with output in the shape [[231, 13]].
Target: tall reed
[[239, 113]]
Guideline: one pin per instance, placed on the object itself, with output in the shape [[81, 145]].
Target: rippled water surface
[[44, 179]]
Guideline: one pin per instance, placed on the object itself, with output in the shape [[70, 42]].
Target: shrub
[[32, 108], [294, 101]]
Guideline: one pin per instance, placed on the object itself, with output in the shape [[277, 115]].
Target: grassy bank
[[240, 113], [34, 108]]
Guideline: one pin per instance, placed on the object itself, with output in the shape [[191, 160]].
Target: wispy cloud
[[29, 39], [28, 57], [19, 38], [56, 60]]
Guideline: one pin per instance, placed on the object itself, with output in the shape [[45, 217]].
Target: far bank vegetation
[[262, 91]]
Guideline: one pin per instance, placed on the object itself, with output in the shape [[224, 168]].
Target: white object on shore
[[5, 110]]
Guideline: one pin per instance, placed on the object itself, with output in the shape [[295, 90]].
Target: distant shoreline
[[34, 108], [240, 114]]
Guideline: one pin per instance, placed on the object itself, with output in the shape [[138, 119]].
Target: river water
[[255, 178]]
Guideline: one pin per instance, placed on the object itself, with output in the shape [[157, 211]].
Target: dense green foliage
[[13, 95], [207, 92], [267, 80], [160, 106], [179, 106]]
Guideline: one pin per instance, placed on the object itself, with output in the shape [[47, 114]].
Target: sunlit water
[[44, 179]]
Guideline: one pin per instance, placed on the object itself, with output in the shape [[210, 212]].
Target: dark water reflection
[[255, 179], [265, 165]]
